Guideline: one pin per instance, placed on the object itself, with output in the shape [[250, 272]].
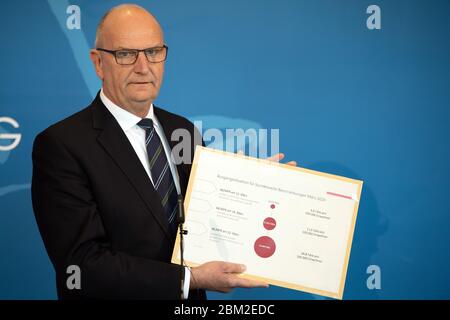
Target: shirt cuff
[[187, 279]]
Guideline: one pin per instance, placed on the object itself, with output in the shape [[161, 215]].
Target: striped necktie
[[161, 175]]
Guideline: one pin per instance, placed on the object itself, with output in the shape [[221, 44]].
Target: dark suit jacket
[[97, 208]]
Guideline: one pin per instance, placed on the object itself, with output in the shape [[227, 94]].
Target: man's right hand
[[221, 276]]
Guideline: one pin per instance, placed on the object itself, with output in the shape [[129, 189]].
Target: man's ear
[[97, 61]]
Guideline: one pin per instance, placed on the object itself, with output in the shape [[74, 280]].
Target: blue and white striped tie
[[161, 175]]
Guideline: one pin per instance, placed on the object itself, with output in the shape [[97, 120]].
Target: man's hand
[[280, 156], [221, 276], [276, 158]]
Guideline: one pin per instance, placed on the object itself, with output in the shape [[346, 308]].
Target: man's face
[[130, 85]]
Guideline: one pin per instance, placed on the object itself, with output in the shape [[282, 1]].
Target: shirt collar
[[126, 119]]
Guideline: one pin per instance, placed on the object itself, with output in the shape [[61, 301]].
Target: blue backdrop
[[368, 104]]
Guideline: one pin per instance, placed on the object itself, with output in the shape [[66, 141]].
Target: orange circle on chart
[[269, 223], [264, 247]]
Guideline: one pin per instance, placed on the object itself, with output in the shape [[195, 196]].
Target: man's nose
[[141, 64]]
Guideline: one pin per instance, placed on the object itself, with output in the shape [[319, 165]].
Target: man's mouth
[[140, 82]]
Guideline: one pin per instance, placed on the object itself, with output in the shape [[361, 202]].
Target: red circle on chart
[[269, 223], [272, 206], [264, 247]]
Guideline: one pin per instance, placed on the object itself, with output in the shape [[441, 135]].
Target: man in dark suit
[[105, 182]]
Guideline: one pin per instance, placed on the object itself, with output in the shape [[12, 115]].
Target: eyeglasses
[[129, 56]]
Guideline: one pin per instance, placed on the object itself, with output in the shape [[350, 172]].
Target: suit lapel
[[116, 144]]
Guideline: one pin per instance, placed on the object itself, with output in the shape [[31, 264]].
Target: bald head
[[121, 20]]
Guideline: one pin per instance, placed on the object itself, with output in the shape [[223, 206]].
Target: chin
[[142, 97]]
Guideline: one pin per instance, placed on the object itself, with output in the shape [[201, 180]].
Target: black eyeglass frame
[[114, 53]]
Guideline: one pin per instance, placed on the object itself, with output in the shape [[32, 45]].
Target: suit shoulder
[[73, 123]]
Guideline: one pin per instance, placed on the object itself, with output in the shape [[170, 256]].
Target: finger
[[248, 283], [292, 163], [276, 158], [240, 152], [229, 267]]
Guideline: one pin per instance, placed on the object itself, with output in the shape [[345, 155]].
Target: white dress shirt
[[136, 136]]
